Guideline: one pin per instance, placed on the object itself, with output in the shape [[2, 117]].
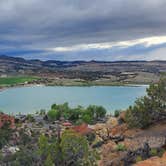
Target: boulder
[[112, 122], [101, 131], [118, 130], [117, 133]]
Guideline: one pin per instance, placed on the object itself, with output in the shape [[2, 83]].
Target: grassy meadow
[[9, 81]]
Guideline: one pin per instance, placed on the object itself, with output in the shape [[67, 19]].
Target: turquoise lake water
[[31, 99]]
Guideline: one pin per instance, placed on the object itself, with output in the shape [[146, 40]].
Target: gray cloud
[[42, 24]]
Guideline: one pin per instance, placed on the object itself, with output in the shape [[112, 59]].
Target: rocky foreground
[[115, 142], [122, 146]]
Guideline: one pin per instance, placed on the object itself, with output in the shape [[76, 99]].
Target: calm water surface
[[31, 99]]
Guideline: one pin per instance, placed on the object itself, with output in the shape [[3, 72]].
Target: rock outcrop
[[135, 144]]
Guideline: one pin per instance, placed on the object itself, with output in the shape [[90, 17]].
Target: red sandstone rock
[[82, 129], [118, 130], [5, 119]]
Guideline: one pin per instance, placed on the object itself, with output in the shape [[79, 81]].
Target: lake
[[31, 99]]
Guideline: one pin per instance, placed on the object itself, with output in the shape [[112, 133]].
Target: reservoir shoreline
[[32, 98]]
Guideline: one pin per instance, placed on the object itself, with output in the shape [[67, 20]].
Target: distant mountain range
[[78, 69]]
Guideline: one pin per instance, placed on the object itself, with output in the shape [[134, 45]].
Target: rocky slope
[[121, 146]]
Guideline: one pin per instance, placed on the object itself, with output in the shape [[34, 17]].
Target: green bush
[[71, 149], [5, 134], [30, 118], [24, 138], [149, 109], [87, 118], [24, 157], [91, 137], [153, 152], [120, 147], [53, 115], [48, 161], [138, 158], [161, 152], [77, 115], [139, 115], [96, 112], [117, 113], [42, 112]]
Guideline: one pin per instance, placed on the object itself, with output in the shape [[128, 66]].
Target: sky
[[103, 30]]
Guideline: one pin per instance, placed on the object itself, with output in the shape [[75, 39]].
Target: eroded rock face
[[136, 142], [117, 133], [118, 130], [131, 144], [153, 141], [153, 161], [101, 131], [111, 130]]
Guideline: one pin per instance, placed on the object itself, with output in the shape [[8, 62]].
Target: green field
[[9, 81]]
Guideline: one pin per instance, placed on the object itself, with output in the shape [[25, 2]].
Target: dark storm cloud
[[43, 24]]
